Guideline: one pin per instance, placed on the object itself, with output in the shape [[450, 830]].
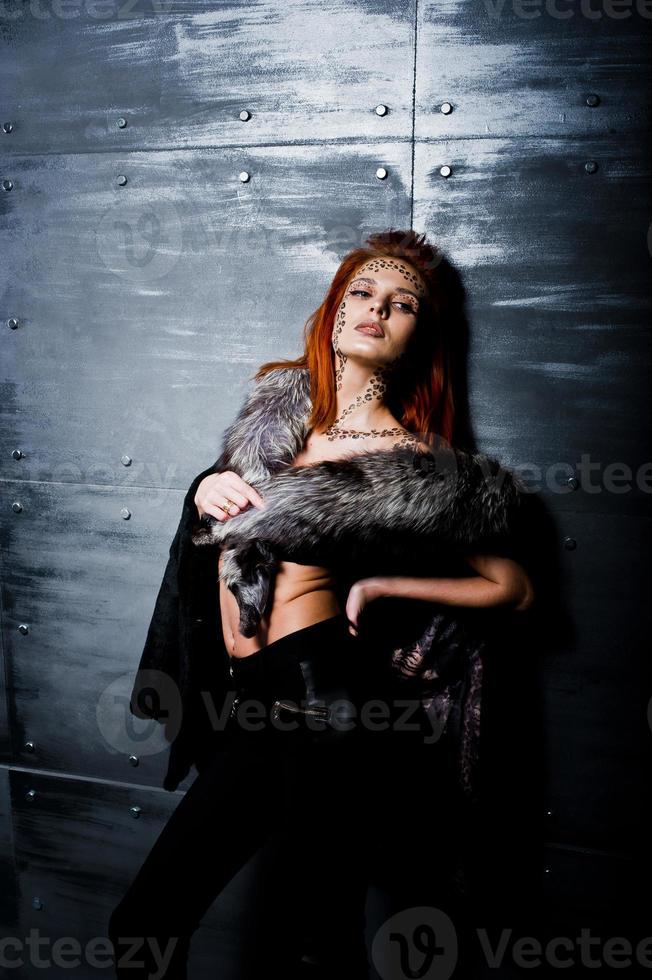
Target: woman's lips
[[372, 331]]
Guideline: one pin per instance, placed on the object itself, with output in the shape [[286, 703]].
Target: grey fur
[[370, 506]]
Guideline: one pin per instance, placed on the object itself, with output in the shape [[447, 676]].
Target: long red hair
[[421, 395]]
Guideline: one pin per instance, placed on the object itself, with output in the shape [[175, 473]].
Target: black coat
[[185, 642]]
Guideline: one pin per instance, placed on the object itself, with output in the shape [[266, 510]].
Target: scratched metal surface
[[525, 69], [78, 846], [556, 268], [306, 72], [144, 308], [186, 276]]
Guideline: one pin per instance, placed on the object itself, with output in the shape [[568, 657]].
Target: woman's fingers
[[227, 489], [250, 493]]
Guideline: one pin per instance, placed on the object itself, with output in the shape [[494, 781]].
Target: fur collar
[[372, 507]]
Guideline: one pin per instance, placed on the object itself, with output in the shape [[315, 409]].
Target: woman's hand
[[360, 593], [217, 488]]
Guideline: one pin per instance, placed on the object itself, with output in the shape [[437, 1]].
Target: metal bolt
[[381, 173], [122, 180], [573, 482], [445, 107], [125, 513], [590, 166], [546, 871], [133, 760], [592, 100], [24, 629], [30, 794], [445, 171], [7, 185], [570, 544], [244, 176], [125, 460], [17, 454], [122, 122], [135, 811], [37, 903], [12, 323], [381, 110], [29, 746], [16, 507], [7, 127], [244, 115]]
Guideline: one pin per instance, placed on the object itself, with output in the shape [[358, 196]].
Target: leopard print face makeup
[[359, 302]]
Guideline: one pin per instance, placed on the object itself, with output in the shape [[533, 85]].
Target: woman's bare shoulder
[[411, 441]]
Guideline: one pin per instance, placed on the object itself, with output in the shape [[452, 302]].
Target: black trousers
[[336, 806]]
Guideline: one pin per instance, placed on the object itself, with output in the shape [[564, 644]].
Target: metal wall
[[179, 182]]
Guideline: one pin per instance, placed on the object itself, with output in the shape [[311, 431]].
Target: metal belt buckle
[[317, 711]]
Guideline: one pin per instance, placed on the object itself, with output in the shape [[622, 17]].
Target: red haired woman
[[377, 363]]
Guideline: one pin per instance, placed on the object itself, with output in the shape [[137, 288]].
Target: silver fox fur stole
[[384, 511], [385, 508]]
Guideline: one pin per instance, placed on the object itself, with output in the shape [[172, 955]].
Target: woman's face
[[386, 292]]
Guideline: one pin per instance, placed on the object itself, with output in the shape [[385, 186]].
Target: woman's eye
[[363, 292]]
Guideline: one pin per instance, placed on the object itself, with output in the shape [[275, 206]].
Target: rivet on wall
[[125, 460], [381, 110], [13, 323], [29, 746], [17, 453], [133, 760], [244, 176], [7, 184], [7, 127], [125, 513], [122, 122], [37, 903], [245, 115], [30, 794], [590, 166], [122, 180], [573, 482], [135, 811], [593, 100], [445, 171], [16, 507], [570, 544], [381, 173], [446, 108], [24, 629]]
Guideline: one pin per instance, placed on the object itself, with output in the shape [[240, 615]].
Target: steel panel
[[306, 72]]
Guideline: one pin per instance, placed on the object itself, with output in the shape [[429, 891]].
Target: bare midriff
[[302, 595]]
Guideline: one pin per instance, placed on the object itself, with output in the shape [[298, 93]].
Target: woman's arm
[[501, 581]]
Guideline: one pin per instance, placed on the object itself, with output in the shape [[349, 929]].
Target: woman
[[377, 350]]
